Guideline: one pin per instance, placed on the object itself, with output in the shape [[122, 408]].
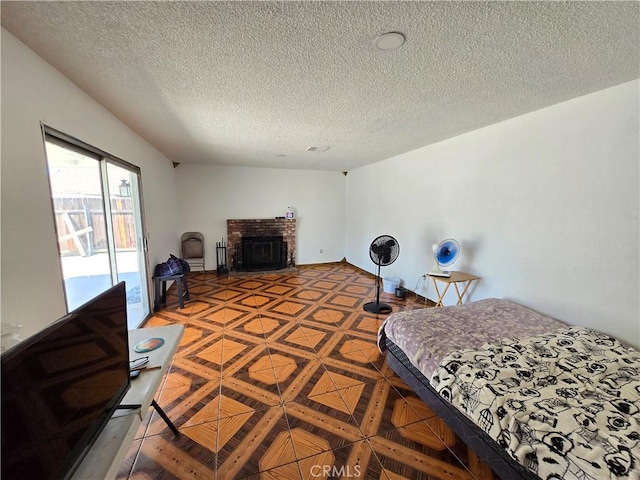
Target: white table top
[[110, 449]]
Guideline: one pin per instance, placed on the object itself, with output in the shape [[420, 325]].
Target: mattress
[[428, 335], [559, 401]]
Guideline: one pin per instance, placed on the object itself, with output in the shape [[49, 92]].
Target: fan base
[[375, 307], [444, 273]]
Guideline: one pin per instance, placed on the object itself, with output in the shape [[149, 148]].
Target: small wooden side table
[[456, 277]]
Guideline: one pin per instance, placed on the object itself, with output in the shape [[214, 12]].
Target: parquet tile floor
[[278, 377]]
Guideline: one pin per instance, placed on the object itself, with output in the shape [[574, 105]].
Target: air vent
[[318, 149]]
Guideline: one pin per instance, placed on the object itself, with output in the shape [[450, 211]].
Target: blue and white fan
[[445, 254]]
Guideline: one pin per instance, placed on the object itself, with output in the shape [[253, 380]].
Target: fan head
[[384, 250], [446, 252]]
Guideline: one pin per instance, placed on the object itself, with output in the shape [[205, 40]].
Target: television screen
[[61, 386]]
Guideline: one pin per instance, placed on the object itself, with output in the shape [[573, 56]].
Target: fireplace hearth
[[267, 252]]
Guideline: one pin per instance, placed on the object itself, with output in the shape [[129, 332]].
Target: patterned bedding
[[564, 404], [428, 335]]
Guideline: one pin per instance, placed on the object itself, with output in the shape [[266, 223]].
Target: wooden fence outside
[[81, 224]]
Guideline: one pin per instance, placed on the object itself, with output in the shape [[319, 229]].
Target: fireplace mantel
[[257, 227]]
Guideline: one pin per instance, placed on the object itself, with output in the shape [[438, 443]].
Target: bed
[[532, 396]]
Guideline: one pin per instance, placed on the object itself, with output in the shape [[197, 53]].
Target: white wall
[[209, 195], [34, 92], [545, 206]]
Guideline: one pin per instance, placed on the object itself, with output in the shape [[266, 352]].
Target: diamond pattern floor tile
[[278, 376]]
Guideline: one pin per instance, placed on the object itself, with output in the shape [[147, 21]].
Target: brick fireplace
[[261, 240]]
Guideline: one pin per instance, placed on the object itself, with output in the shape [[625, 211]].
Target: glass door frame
[[106, 159]]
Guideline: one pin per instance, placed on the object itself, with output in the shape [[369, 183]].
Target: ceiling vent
[[317, 149]]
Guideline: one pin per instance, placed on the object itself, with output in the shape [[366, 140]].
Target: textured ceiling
[[256, 83]]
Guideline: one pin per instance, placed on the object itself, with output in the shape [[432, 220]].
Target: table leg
[[156, 299], [440, 296], [164, 416], [464, 291], [163, 299], [186, 287], [459, 296], [180, 299]]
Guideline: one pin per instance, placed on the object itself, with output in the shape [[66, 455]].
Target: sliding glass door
[[129, 247], [98, 218]]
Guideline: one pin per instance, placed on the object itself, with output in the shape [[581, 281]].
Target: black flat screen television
[[61, 386]]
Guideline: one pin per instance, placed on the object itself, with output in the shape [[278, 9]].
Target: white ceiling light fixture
[[389, 41]]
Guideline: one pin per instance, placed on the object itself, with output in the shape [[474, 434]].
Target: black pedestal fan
[[384, 250]]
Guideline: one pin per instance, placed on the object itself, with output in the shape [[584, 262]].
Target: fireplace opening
[[260, 253]]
